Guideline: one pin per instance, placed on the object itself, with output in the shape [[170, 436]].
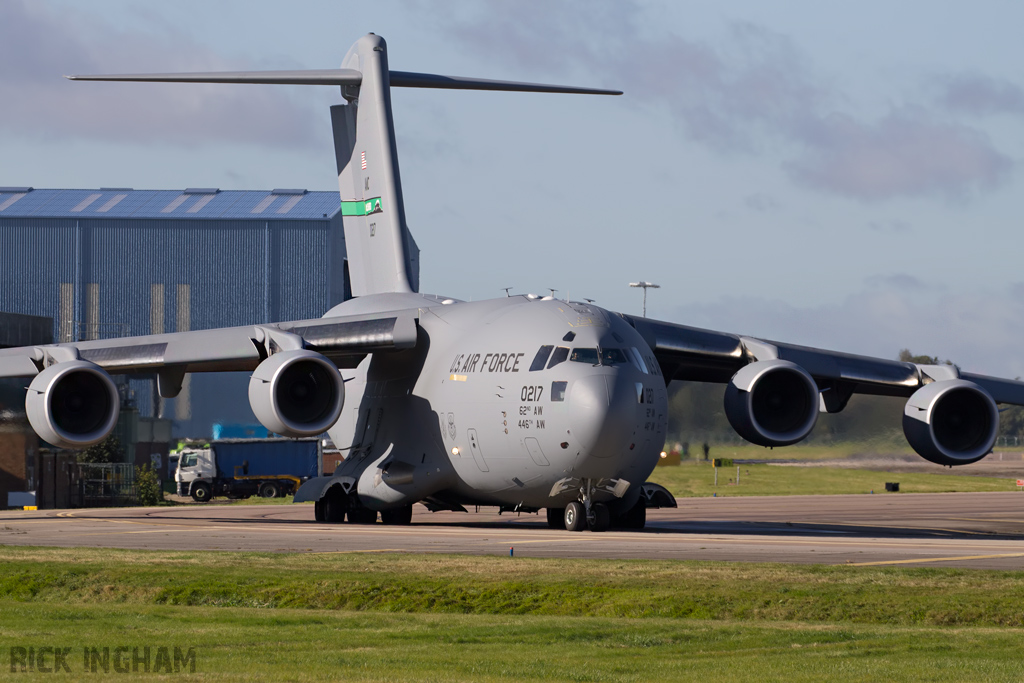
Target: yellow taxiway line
[[934, 559]]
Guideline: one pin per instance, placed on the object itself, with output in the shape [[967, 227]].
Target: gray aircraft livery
[[523, 402]]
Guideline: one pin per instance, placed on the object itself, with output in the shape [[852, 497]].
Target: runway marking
[[796, 540], [877, 526], [354, 552], [987, 519], [514, 541], [934, 559]]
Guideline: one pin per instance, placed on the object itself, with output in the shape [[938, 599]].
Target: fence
[[105, 485]]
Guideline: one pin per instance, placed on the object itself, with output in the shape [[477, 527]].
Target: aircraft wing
[[345, 340], [691, 353], [295, 388]]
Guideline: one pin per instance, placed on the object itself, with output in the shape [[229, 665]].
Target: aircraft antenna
[[506, 291]]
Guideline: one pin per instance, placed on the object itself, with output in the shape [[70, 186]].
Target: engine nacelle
[[772, 403], [951, 422], [297, 393], [72, 404]]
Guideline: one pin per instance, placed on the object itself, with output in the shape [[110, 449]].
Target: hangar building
[[115, 262]]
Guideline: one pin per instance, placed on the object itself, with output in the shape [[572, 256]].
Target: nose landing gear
[[598, 517], [579, 515]]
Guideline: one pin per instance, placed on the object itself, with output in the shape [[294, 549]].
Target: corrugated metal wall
[[115, 277]]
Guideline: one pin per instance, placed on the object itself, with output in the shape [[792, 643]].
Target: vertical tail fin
[[384, 255]]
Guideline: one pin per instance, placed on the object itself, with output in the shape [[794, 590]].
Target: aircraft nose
[[601, 414]]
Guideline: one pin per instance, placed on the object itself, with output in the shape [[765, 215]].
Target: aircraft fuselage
[[501, 402]]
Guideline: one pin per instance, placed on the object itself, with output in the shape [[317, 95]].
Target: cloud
[[752, 89], [38, 45], [760, 202], [978, 94], [980, 331], [890, 227], [715, 93], [903, 281], [904, 153]]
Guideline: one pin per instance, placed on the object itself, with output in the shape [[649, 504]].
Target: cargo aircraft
[[523, 402]]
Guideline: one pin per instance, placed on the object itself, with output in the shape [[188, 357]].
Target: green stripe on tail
[[361, 207]]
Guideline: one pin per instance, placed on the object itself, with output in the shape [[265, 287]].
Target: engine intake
[[952, 422], [297, 393], [772, 403], [72, 404]]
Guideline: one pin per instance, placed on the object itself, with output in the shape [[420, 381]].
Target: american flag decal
[[364, 160]]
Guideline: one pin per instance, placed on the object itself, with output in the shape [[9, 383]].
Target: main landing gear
[[337, 506]]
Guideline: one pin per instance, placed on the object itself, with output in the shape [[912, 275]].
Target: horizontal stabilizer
[[409, 79], [399, 79], [301, 77]]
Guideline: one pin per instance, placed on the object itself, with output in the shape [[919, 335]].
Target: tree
[[108, 450], [148, 486], [907, 357]]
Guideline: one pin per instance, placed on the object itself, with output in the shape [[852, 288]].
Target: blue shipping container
[[267, 457]]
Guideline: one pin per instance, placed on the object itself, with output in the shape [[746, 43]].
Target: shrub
[[150, 492]]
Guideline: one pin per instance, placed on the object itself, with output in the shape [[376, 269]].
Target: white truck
[[240, 468]]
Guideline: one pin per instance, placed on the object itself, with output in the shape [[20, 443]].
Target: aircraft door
[[474, 448], [535, 451]]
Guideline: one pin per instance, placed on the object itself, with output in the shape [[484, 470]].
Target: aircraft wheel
[[398, 516], [333, 506], [318, 511], [362, 516], [201, 492], [575, 519], [556, 518], [599, 518], [268, 490]]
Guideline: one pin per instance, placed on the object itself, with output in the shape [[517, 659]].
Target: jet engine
[[297, 393], [72, 404], [772, 403], [951, 422]]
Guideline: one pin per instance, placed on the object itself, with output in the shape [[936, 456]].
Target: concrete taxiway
[[980, 530]]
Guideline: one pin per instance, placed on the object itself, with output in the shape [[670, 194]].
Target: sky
[[837, 175]]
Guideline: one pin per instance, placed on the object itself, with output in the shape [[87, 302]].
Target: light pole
[[646, 286]]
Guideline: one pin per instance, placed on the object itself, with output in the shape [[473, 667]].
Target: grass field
[[698, 479], [805, 450], [882, 448], [253, 616], [245, 644]]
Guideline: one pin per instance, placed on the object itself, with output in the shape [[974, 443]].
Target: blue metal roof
[[276, 205]]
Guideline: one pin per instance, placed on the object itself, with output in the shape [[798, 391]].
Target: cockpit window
[[558, 391], [613, 357], [541, 358], [584, 355], [637, 360], [559, 356]]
